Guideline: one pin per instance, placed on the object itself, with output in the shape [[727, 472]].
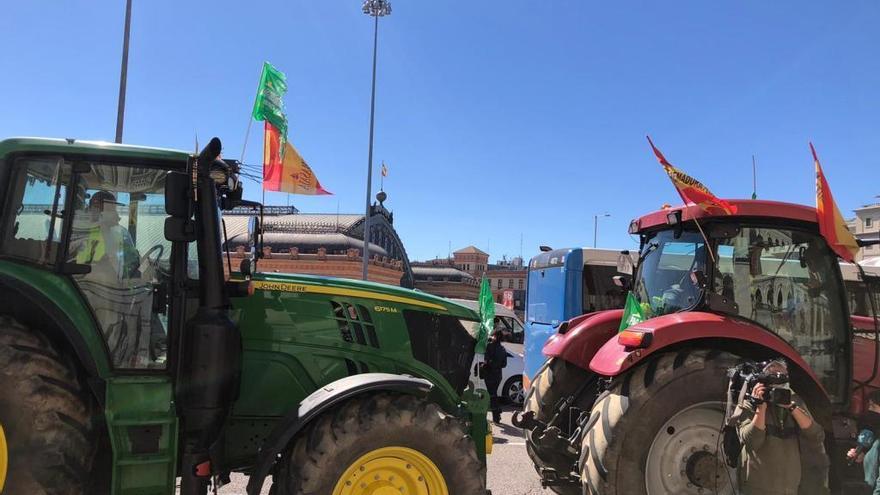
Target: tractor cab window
[[788, 281], [665, 281], [118, 232], [36, 204]]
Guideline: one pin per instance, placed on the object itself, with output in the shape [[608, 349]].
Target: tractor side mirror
[[180, 229], [625, 263], [177, 187]]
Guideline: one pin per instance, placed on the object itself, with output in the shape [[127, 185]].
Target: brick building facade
[[323, 244]]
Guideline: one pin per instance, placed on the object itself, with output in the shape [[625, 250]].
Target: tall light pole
[[123, 76], [376, 9], [596, 226]]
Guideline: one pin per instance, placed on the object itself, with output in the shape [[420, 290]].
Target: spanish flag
[[831, 224], [287, 171], [691, 190]]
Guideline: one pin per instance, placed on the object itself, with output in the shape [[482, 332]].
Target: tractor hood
[[352, 326], [330, 286]]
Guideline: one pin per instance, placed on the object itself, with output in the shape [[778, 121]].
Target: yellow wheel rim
[[392, 471], [4, 458]]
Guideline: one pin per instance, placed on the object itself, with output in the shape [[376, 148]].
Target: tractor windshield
[[664, 283], [788, 281]]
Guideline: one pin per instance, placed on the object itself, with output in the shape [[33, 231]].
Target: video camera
[[772, 373]]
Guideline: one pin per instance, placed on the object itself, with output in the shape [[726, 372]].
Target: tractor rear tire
[[382, 442], [556, 379], [670, 409], [46, 416]]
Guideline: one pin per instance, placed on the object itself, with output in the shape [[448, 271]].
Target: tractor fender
[[320, 401], [612, 359], [41, 310], [578, 339]]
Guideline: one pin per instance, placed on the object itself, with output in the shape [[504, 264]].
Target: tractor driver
[[108, 248], [120, 298]]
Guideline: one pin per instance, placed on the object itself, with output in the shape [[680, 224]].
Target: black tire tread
[[47, 415], [326, 446], [602, 444]]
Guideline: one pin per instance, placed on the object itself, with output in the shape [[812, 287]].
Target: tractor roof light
[[634, 227], [634, 339], [673, 218]]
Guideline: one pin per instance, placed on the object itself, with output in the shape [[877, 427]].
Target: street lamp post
[[123, 76], [596, 227], [376, 9]]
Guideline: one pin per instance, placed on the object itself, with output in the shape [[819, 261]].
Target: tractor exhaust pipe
[[210, 362]]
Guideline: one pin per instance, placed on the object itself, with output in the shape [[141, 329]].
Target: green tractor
[[129, 360]]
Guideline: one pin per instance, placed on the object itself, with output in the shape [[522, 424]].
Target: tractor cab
[[777, 273], [110, 258]]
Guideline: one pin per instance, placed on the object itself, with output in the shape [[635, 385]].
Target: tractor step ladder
[[143, 434]]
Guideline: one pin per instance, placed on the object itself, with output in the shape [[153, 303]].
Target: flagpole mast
[[754, 178], [376, 9], [596, 227], [123, 76]]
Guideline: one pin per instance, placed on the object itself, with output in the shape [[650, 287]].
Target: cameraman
[[868, 451], [772, 434]]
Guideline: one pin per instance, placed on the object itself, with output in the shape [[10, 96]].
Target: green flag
[[268, 105], [632, 312], [487, 316]]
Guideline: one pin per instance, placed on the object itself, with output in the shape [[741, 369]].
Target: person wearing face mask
[[772, 435]]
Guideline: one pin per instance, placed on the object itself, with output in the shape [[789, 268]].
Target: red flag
[[272, 164], [287, 171], [831, 224], [691, 190]]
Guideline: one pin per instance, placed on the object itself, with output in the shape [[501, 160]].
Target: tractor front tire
[[45, 414], [555, 380], [657, 430], [382, 443]]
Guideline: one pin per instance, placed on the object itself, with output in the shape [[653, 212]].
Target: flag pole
[[706, 240], [123, 76], [247, 134], [754, 178]]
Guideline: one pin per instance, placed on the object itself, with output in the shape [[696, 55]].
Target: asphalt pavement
[[510, 470]]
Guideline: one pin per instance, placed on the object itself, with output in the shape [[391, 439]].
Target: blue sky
[[496, 119]]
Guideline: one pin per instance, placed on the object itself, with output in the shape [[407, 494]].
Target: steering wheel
[[153, 263]]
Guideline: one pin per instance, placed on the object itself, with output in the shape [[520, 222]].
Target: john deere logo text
[[384, 309], [280, 286]]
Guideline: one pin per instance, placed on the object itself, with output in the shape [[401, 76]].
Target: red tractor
[[641, 411]]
